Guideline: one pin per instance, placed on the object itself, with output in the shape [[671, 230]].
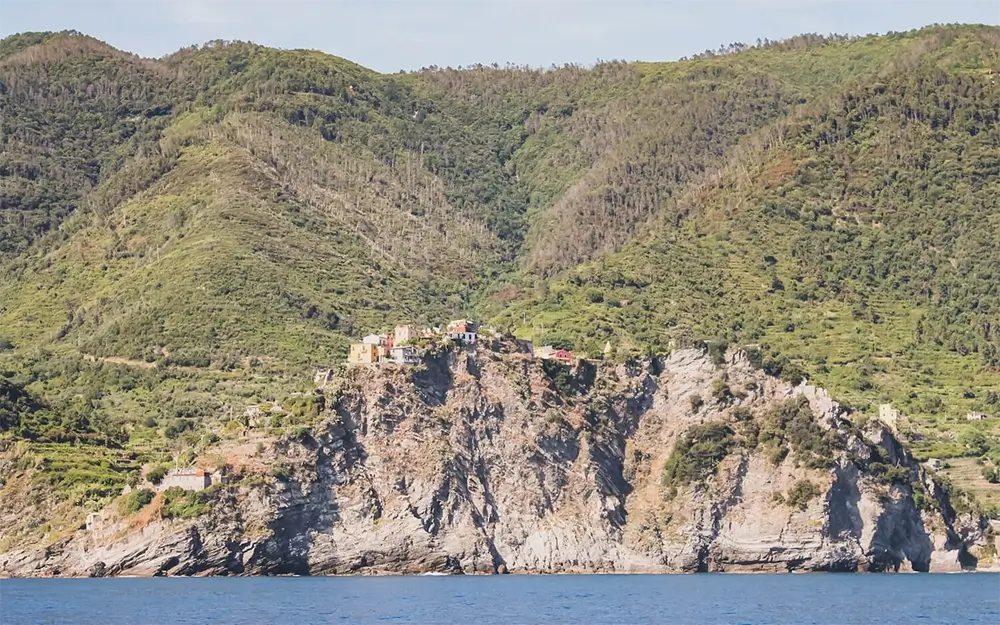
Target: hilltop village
[[406, 345]]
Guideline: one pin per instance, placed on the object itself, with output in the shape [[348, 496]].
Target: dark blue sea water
[[508, 600]]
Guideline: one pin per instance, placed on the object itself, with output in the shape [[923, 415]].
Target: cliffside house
[[545, 352], [975, 416], [404, 355], [363, 354], [462, 330], [888, 415], [404, 334], [188, 478], [563, 356]]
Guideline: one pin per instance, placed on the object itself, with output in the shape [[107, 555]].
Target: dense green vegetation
[[135, 501], [185, 504], [184, 239], [697, 454], [25, 416], [791, 426]]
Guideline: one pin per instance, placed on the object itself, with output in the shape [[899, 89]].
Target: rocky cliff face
[[483, 462]]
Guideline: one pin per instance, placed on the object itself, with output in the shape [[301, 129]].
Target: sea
[[508, 600]]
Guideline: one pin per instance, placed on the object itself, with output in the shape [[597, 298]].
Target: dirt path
[[114, 360], [142, 364]]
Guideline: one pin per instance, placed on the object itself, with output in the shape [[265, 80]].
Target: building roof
[[186, 473]]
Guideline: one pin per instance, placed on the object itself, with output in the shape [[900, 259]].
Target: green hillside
[[856, 237], [186, 237]]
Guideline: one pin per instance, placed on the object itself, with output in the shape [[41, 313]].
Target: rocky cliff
[[485, 462]]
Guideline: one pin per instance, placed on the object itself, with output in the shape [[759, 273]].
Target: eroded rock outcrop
[[480, 462]]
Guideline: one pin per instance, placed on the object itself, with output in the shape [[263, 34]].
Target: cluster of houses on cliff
[[402, 346]]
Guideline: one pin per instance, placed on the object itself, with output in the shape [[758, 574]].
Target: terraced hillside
[[186, 238]]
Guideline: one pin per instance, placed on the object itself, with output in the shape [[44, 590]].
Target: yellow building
[[363, 354]]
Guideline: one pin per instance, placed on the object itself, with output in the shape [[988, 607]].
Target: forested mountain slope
[[857, 236], [186, 237]]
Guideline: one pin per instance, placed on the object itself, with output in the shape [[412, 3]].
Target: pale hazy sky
[[389, 35]]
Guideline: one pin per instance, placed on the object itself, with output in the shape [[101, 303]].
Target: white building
[[462, 330], [545, 352], [404, 355], [188, 478]]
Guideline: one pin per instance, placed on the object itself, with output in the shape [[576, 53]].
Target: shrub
[[282, 473], [721, 392], [781, 367], [777, 455], [696, 402], [157, 473], [135, 501], [741, 413], [920, 498], [716, 350], [792, 423], [991, 475], [750, 432], [181, 504], [561, 376], [801, 494], [187, 457], [305, 406], [893, 475], [178, 427], [933, 405], [697, 453], [976, 443]]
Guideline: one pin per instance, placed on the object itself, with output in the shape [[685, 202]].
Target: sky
[[392, 35]]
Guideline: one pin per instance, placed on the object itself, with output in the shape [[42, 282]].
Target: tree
[[975, 442]]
